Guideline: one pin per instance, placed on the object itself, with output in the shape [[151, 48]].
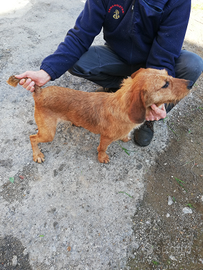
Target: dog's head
[[153, 86]]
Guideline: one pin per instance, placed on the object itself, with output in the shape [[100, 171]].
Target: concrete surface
[[71, 212]]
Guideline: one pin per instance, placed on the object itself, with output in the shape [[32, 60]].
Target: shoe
[[143, 135], [107, 90]]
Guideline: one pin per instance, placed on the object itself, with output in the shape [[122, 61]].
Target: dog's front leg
[[126, 139], [104, 143]]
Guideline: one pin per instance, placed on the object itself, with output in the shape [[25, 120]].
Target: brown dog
[[112, 115]]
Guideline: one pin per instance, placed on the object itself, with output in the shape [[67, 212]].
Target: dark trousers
[[103, 67]]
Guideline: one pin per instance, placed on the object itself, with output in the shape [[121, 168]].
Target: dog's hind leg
[[46, 133], [104, 143]]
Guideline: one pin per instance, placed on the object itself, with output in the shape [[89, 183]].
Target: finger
[[21, 82], [21, 76], [150, 117], [162, 107], [163, 114], [158, 113], [155, 108], [27, 82], [30, 87], [158, 109]]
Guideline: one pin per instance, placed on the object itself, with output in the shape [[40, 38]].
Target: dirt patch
[[13, 254]]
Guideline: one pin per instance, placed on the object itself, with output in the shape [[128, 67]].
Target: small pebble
[[170, 201], [14, 261], [187, 210], [172, 258]]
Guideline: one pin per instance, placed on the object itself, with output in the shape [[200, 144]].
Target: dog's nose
[[190, 84]]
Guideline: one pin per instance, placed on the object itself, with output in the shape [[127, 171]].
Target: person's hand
[[156, 113], [39, 78]]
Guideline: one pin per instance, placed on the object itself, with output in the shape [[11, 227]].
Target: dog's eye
[[166, 85]]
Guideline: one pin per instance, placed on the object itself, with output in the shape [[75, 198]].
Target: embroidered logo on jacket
[[116, 14]]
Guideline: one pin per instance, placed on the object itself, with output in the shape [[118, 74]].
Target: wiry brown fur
[[112, 115]]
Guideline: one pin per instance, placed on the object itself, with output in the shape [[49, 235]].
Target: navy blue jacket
[[139, 31]]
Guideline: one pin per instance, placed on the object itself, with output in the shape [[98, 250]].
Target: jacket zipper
[[133, 4], [132, 9]]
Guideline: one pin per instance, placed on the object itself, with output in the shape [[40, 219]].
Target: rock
[[172, 258], [201, 261], [170, 200], [187, 210], [14, 260]]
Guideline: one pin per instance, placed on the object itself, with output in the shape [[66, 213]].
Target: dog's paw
[[103, 157], [39, 158], [126, 139], [74, 125]]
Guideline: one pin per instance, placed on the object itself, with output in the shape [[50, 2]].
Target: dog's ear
[[136, 72], [137, 109]]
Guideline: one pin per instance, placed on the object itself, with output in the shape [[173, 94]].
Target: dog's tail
[[13, 81]]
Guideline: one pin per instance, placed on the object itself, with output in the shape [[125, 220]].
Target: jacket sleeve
[[77, 41], [168, 42]]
